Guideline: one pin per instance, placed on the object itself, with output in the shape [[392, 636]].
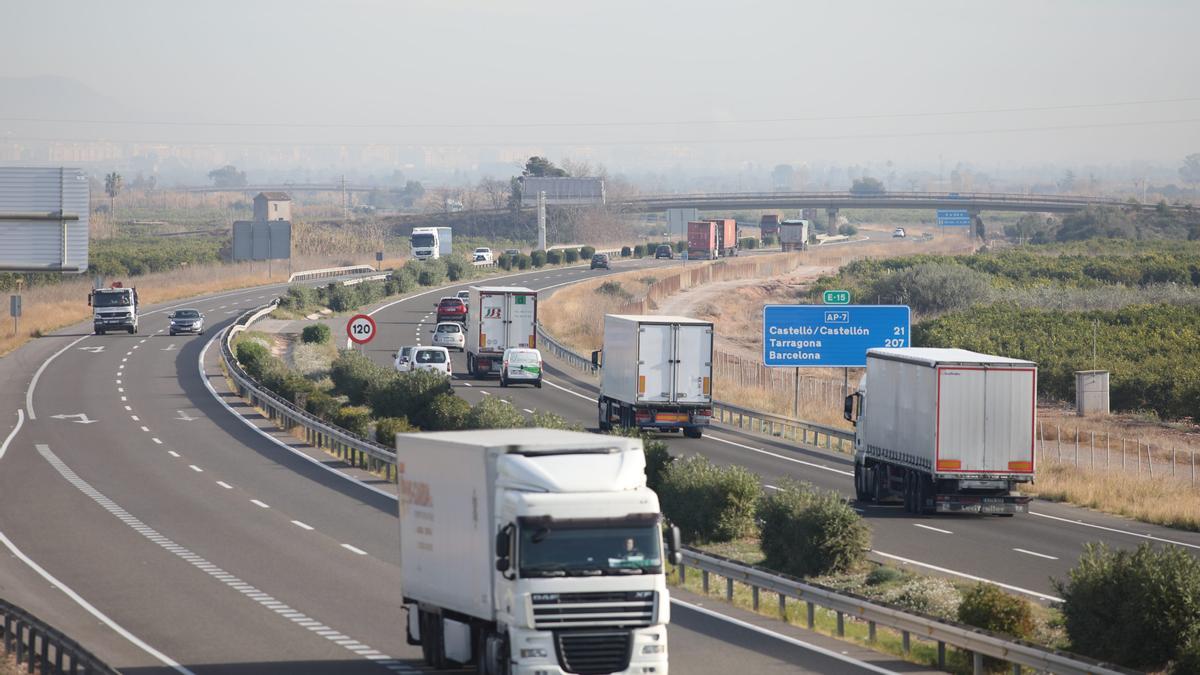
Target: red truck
[[726, 235], [702, 240]]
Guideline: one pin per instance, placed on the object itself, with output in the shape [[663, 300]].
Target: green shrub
[[387, 428], [933, 287], [408, 395], [987, 606], [1135, 608], [322, 404], [806, 531], [927, 595], [253, 356], [524, 262], [548, 420], [299, 298], [538, 258], [657, 461], [626, 251], [354, 375], [572, 255], [614, 289], [748, 243], [315, 333], [1187, 658], [639, 251], [505, 262], [354, 418], [883, 574], [707, 502], [586, 252], [554, 257], [848, 230], [456, 269], [494, 413], [448, 412], [293, 385]]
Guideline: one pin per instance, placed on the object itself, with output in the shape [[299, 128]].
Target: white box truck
[[114, 308], [793, 235], [431, 243], [532, 552], [657, 373], [944, 430], [498, 317]]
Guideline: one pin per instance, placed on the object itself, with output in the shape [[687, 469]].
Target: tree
[[113, 183], [227, 176], [783, 177], [867, 186], [1067, 182], [1190, 171], [496, 191], [541, 167]]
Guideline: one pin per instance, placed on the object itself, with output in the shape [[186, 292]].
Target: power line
[[646, 123], [693, 141]]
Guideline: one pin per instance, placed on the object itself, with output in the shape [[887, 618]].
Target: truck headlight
[[654, 649], [534, 653]]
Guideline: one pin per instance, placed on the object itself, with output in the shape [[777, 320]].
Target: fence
[[1092, 451], [697, 275], [978, 642], [42, 648]]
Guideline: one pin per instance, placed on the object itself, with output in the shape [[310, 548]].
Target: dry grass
[[49, 308], [1162, 501], [574, 315]]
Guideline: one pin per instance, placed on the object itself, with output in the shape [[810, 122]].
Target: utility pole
[[345, 214], [541, 219]]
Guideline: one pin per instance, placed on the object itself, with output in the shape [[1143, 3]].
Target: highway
[[140, 516], [1020, 553]]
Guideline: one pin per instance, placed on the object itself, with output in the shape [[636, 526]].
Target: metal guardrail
[[372, 456], [979, 642], [329, 272], [44, 649], [789, 428]]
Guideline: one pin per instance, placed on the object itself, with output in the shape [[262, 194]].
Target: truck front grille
[[624, 609], [594, 652]]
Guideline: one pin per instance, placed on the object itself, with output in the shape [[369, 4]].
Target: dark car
[[600, 260], [664, 251], [186, 321], [452, 309]]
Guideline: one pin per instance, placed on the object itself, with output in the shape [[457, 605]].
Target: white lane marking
[[123, 398], [357, 550], [129, 407], [230, 580], [225, 485], [259, 503], [13, 433], [146, 429], [972, 577], [303, 526], [782, 638], [143, 340], [130, 352], [173, 453], [123, 360], [156, 441], [195, 468], [771, 487], [935, 529], [118, 381], [135, 418], [1113, 529], [135, 347], [486, 393], [316, 462], [38, 374], [1034, 553], [527, 410], [783, 457], [87, 607], [468, 384]]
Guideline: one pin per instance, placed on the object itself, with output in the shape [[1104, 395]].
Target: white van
[[521, 364], [436, 359]]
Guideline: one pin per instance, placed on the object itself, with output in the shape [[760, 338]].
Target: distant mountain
[[52, 97]]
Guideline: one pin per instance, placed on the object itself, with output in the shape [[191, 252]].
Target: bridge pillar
[[832, 216]]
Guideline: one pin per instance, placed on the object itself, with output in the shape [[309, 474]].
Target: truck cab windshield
[[110, 300], [563, 548], [423, 240]]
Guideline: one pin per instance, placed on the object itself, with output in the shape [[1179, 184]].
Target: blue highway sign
[[954, 217], [824, 336]]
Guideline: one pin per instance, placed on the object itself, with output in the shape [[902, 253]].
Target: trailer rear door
[[985, 420], [693, 364], [655, 349], [522, 315], [492, 330]]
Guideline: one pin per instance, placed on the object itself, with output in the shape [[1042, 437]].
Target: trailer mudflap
[[982, 504]]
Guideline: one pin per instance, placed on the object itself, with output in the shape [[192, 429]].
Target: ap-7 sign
[[824, 336]]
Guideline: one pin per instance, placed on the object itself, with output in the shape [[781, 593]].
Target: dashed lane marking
[[354, 549], [1035, 553], [260, 504], [225, 485], [264, 599], [934, 529], [303, 526]]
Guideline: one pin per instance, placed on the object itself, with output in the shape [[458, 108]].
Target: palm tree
[[112, 187]]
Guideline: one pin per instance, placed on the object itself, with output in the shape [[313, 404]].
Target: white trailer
[[445, 241], [945, 430], [793, 235], [532, 552], [431, 243], [657, 373], [498, 317]]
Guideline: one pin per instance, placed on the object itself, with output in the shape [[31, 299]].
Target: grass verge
[[1160, 500]]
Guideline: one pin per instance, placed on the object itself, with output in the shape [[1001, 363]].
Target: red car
[[452, 309]]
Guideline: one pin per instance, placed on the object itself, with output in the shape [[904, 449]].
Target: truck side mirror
[[597, 358], [503, 546], [673, 546], [853, 401]]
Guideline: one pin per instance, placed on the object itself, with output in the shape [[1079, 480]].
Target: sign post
[[360, 329], [378, 261], [820, 336], [14, 310]]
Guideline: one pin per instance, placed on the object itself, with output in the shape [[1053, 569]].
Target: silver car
[[450, 334], [186, 321]]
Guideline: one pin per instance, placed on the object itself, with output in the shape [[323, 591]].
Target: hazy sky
[[641, 70]]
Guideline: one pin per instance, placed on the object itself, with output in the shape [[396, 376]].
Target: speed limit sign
[[361, 328]]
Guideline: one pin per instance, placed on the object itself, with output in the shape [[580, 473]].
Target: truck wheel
[[432, 648], [879, 473], [908, 491], [602, 418], [693, 432], [860, 492], [492, 654], [99, 331]]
